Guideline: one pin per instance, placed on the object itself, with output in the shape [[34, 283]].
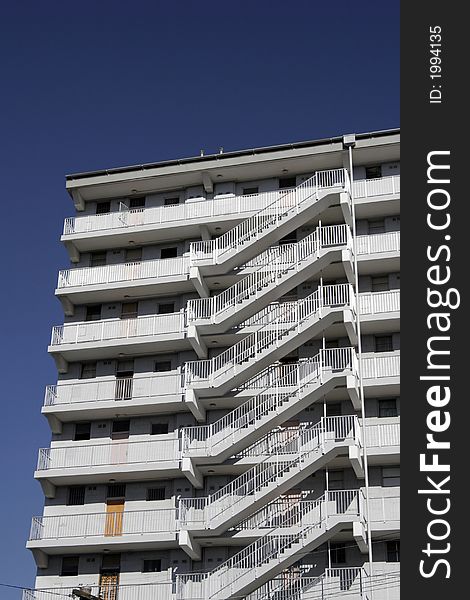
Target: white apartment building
[[225, 422]]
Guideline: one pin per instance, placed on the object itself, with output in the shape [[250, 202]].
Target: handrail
[[308, 441], [270, 216], [270, 398], [329, 296], [273, 543], [286, 259], [98, 524]]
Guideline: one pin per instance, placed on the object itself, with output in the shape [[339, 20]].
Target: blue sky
[[88, 85]]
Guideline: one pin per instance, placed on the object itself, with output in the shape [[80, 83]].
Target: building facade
[[225, 423]]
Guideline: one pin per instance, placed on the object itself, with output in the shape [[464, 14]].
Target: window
[[286, 182], [338, 553], [116, 490], [97, 259], [88, 370], [336, 480], [162, 365], [383, 343], [380, 284], [137, 202], [153, 565], [390, 476], [82, 431], [290, 238], [165, 308], [374, 172], [157, 493], [158, 428], [329, 344], [120, 430], [250, 190], [93, 313], [171, 201], [333, 410], [377, 226], [76, 495], [388, 408], [103, 208], [69, 566], [393, 551], [129, 310], [169, 252], [133, 254]]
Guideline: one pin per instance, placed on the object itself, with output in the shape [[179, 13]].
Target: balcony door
[[109, 582], [124, 380], [114, 517]]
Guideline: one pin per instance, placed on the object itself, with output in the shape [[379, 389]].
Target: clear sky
[[95, 84]]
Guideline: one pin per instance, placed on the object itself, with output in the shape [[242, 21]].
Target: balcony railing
[[372, 303], [383, 186], [218, 207], [157, 215], [104, 524], [381, 365], [109, 329], [120, 452], [126, 388], [381, 435], [124, 272], [143, 591], [376, 243]]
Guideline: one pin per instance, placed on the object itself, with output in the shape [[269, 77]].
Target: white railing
[[221, 206], [350, 582], [383, 186], [274, 546], [107, 524], [384, 509], [372, 303], [380, 435], [127, 388], [305, 375], [286, 204], [227, 501], [290, 318], [109, 329], [157, 215], [382, 364], [377, 243], [143, 591], [121, 272], [280, 263], [120, 452]]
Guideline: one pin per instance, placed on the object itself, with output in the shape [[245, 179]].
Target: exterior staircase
[[295, 389], [294, 325], [293, 534], [290, 210], [286, 267], [309, 451]]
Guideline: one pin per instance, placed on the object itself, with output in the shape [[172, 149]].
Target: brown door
[[109, 583], [114, 517]]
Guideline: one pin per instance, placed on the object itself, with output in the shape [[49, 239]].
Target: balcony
[[108, 338], [102, 398], [379, 311], [94, 532], [165, 392], [114, 282], [88, 462], [377, 197], [381, 373], [162, 588], [94, 232], [378, 253]]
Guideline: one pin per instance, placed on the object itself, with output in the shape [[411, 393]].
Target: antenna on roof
[[221, 150], [201, 152]]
